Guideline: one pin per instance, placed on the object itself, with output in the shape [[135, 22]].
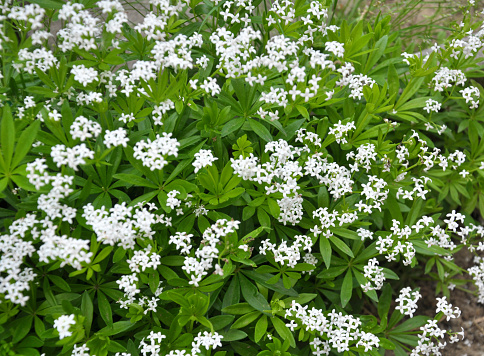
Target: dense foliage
[[233, 178]]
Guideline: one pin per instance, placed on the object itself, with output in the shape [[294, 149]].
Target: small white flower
[[203, 158], [116, 138], [84, 75], [63, 323]]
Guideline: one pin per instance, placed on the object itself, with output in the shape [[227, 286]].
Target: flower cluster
[[477, 273], [340, 131], [407, 301], [333, 330], [84, 75], [152, 153], [445, 76], [63, 323], [122, 224], [208, 250], [83, 128], [116, 138], [468, 94], [287, 255], [71, 156], [432, 105], [203, 158], [323, 159], [374, 275]]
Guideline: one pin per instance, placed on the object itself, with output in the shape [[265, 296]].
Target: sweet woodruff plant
[[233, 178]]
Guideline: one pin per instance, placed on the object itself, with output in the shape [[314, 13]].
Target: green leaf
[[273, 207], [385, 301], [245, 320], [176, 297], [347, 233], [135, 180], [347, 288], [59, 282], [30, 341], [414, 212], [412, 87], [414, 104], [391, 205], [87, 310], [103, 254], [221, 321], [325, 249], [234, 192], [260, 130], [342, 246], [25, 142], [233, 335], [252, 295], [105, 309], [239, 308], [48, 4], [254, 234], [260, 328], [303, 111], [7, 138], [232, 295], [22, 328], [393, 80], [232, 125], [39, 326], [119, 254], [46, 92], [380, 48], [246, 213], [116, 328], [3, 185], [410, 324], [23, 182], [386, 344], [153, 281], [332, 272], [283, 331], [113, 58], [263, 278], [303, 298], [263, 218], [144, 198]]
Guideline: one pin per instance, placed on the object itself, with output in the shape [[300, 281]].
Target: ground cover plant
[[418, 21], [233, 178]]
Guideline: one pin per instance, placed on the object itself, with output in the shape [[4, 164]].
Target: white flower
[[203, 158], [84, 75], [127, 117], [340, 131], [72, 157], [432, 105], [152, 153], [82, 128], [444, 76], [468, 94], [82, 350], [407, 301], [336, 48], [63, 323], [446, 308], [171, 201], [210, 86], [116, 138], [55, 115]]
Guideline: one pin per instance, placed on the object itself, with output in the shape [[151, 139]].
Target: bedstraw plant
[[233, 178]]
